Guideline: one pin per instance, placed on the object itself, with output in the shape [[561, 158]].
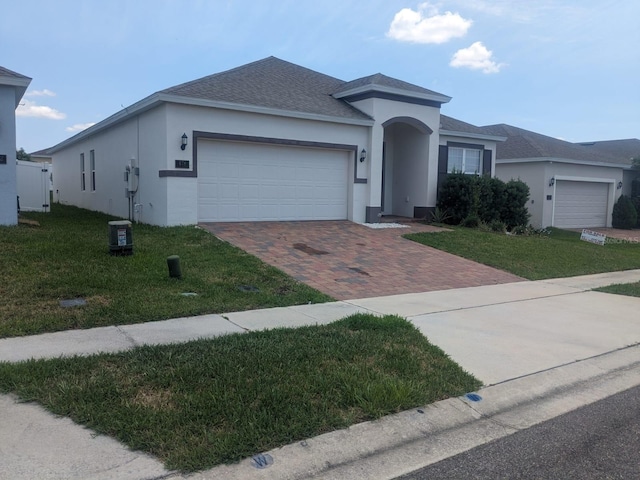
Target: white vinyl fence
[[34, 186]]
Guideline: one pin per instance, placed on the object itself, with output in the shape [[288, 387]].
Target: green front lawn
[[67, 257], [536, 257], [207, 402], [629, 289]]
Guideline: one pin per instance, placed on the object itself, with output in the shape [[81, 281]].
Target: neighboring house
[[41, 156], [571, 185], [271, 140], [12, 88], [624, 151]]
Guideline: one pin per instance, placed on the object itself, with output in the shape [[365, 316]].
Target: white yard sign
[[593, 237]]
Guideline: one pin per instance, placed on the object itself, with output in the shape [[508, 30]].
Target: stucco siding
[[8, 189], [538, 176], [187, 119]]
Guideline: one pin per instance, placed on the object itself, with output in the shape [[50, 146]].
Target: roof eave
[[157, 98], [435, 97], [562, 160], [20, 83], [477, 136], [128, 112], [200, 102]]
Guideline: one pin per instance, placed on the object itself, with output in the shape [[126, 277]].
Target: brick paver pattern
[[359, 262]]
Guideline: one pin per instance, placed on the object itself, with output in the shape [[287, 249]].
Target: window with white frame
[[83, 184], [464, 160], [92, 166]]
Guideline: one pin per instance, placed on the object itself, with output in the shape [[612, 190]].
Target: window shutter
[[443, 158], [486, 162]]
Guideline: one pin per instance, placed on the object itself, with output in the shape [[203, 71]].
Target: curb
[[404, 442]]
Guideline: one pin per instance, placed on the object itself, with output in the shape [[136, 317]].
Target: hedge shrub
[[485, 198], [624, 213]]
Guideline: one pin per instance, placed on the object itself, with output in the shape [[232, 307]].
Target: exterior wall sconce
[[619, 185], [552, 182], [363, 155], [183, 145]]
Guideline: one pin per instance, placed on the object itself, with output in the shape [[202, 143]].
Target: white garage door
[[581, 204], [252, 182]]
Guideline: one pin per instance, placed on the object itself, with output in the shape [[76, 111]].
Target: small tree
[[22, 155], [624, 214]]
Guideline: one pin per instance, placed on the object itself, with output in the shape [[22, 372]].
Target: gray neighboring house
[[571, 185], [12, 87]]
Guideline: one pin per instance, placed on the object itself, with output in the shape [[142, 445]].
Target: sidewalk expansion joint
[[123, 332], [236, 324], [472, 307], [632, 345]]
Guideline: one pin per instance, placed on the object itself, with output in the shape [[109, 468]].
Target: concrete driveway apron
[[347, 260]]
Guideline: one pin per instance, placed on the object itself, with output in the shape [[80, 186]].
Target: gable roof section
[[457, 128], [272, 83], [524, 144], [626, 149], [14, 79], [381, 86]]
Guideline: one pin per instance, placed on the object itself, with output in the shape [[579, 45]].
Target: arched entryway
[[405, 165]]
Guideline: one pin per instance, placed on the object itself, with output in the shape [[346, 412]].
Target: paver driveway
[[347, 260]]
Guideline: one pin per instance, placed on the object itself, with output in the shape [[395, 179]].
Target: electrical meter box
[[120, 238]]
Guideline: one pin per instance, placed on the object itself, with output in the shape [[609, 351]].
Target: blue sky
[[565, 68]]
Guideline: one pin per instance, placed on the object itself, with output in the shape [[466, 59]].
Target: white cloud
[[40, 93], [31, 109], [78, 127], [427, 25], [476, 57]]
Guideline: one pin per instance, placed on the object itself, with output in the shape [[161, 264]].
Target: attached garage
[[248, 181], [581, 204]]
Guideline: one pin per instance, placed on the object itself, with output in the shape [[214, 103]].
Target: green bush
[[456, 197], [635, 187], [624, 213], [514, 210], [488, 199], [636, 203], [472, 221]]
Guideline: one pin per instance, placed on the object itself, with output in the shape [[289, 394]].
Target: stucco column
[[375, 173]]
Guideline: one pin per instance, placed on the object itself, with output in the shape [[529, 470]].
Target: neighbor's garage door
[[251, 182], [581, 204]]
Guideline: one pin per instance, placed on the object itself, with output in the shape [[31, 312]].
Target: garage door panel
[[581, 204], [249, 182]]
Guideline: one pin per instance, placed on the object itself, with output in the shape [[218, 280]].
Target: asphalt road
[[599, 441]]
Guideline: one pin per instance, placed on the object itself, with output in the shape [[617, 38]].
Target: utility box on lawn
[[120, 238]]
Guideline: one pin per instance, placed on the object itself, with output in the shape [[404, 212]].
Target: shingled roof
[[381, 80], [455, 125], [5, 72], [272, 83], [521, 144], [625, 149]]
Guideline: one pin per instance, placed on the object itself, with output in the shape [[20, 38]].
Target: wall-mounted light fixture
[[552, 182], [619, 185], [183, 145], [363, 155]]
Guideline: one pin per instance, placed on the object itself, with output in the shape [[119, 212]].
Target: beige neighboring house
[[571, 185], [41, 156]]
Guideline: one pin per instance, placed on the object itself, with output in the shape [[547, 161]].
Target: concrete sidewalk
[[515, 336]]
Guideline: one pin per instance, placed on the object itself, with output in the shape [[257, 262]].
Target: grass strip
[[66, 257], [629, 289], [561, 253], [200, 404]]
